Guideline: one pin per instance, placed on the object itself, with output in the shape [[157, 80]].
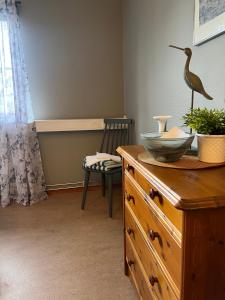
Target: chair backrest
[[117, 132]]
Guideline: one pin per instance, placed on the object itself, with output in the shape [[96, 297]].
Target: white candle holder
[[162, 122]]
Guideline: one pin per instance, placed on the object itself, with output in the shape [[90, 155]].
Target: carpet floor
[[54, 251]]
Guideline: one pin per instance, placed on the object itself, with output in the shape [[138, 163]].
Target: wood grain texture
[[186, 162], [188, 263], [164, 218], [136, 271], [167, 248], [174, 215], [185, 189], [204, 255], [165, 288]]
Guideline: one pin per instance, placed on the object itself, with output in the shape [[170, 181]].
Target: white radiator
[[69, 125]]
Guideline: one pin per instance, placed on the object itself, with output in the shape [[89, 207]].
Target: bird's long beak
[[176, 47]]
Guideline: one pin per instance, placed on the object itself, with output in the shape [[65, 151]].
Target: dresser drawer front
[[163, 243], [173, 214], [166, 287], [154, 279], [136, 272]]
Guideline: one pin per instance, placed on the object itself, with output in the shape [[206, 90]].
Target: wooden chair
[[116, 133]]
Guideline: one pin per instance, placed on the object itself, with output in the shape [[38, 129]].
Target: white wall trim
[[69, 185], [69, 125]]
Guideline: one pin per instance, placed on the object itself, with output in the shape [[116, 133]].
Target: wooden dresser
[[174, 230]]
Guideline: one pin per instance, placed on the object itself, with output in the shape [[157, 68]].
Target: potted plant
[[210, 127]]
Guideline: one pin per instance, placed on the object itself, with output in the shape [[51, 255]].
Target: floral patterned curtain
[[21, 174]]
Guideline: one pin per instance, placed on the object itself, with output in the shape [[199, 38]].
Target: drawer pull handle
[[153, 194], [130, 198], [153, 280], [130, 263], [130, 231], [153, 235], [129, 168]]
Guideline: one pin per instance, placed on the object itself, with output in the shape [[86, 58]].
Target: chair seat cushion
[[103, 166]]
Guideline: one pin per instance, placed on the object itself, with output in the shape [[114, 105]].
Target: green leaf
[[206, 121]]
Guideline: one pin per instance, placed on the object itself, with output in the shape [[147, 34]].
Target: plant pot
[[211, 148]]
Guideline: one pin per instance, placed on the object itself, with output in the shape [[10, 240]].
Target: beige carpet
[[53, 250]]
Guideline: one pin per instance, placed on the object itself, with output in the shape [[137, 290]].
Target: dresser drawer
[[154, 232], [154, 279], [173, 214], [137, 273], [197, 232], [167, 289]]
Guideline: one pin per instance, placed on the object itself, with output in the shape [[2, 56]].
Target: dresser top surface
[[186, 189]]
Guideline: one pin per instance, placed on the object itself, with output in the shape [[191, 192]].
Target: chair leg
[[110, 182], [86, 181], [103, 184]]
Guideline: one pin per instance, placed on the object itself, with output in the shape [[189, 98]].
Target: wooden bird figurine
[[192, 80]]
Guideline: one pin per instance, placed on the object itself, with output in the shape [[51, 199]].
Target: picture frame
[[209, 20]]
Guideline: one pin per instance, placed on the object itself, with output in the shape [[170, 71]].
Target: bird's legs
[[192, 99], [192, 105]]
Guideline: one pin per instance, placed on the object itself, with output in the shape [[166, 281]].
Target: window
[[7, 106]]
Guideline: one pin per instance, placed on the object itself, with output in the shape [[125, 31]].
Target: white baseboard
[[66, 186]]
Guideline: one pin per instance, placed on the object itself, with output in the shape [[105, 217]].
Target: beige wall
[[154, 72], [73, 51]]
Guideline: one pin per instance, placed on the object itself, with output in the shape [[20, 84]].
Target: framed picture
[[209, 20]]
